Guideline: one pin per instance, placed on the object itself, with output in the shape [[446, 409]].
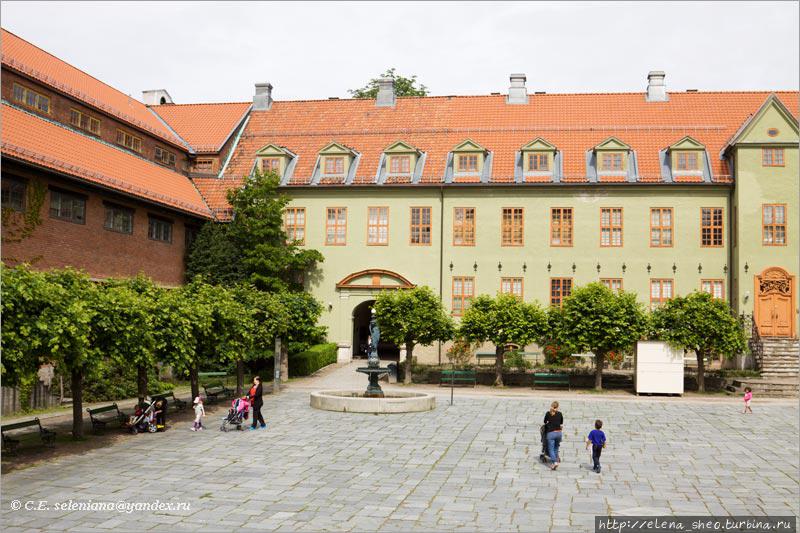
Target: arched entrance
[[361, 316], [774, 303]]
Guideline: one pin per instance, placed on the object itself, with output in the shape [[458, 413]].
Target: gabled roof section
[[272, 149], [399, 147], [468, 145], [612, 143], [772, 103], [45, 144], [33, 62], [687, 143], [538, 144], [206, 127], [335, 148]]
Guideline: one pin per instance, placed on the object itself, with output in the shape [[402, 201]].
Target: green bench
[[215, 389], [551, 378], [491, 356], [101, 416], [177, 402], [10, 444], [458, 377]]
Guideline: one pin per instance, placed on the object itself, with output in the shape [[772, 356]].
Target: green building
[[660, 193]]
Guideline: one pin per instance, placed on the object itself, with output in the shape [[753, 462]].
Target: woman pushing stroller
[[256, 402], [551, 434]]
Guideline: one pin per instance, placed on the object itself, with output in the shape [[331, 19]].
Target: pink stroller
[[237, 414]]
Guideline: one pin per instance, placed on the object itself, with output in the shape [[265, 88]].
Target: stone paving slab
[[472, 466]]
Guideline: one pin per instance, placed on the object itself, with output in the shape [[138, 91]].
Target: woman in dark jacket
[[256, 402], [553, 421]]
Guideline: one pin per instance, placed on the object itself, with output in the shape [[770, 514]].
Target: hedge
[[311, 360]]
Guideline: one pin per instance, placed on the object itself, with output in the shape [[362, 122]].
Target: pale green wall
[[420, 264]]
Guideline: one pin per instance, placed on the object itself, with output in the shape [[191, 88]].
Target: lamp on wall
[[674, 268], [330, 306], [746, 296], [499, 266], [699, 268], [598, 267], [649, 268], [573, 268], [451, 266], [624, 267], [746, 267], [475, 266], [524, 267], [549, 266], [725, 269]]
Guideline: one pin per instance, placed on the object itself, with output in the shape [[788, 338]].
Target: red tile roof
[[27, 137], [31, 61], [574, 123], [206, 127]]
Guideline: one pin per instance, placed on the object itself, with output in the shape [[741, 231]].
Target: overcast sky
[[208, 52]]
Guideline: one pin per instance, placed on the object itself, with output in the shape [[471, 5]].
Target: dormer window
[[611, 161], [334, 166], [273, 158], [399, 165], [467, 163], [686, 161], [539, 162]]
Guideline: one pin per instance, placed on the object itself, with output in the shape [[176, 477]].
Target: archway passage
[[361, 316], [774, 304]]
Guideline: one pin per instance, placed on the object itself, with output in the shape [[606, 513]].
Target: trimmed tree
[[412, 317], [595, 318], [700, 323], [502, 320]]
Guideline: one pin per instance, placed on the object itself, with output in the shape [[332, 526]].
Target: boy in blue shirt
[[598, 441]]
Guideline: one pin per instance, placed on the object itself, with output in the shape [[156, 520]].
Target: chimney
[[517, 93], [386, 96], [156, 97], [656, 89], [262, 100]]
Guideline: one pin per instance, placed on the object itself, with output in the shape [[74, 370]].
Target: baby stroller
[[237, 414], [144, 418], [544, 456]]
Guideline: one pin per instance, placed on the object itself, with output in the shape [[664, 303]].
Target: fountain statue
[[373, 368]]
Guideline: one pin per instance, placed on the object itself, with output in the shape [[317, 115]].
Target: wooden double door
[[774, 304]]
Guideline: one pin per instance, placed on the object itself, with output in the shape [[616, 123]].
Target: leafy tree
[[502, 320], [175, 326], [269, 319], [402, 86], [67, 324], [595, 318], [124, 325], [700, 323], [303, 312], [215, 256], [252, 246], [25, 297], [412, 317]]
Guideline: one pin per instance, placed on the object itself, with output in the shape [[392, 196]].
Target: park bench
[[458, 377], [101, 416], [215, 389], [551, 378], [11, 444], [490, 356], [177, 402]]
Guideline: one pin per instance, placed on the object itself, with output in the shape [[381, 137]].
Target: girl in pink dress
[[748, 395]]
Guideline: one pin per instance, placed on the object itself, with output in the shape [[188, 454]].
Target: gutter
[[441, 253]]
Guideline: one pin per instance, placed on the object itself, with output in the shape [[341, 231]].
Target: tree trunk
[[239, 377], [77, 404], [193, 379], [498, 365], [141, 382], [407, 376], [285, 361], [701, 377], [599, 363]]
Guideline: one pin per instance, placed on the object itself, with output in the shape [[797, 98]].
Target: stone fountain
[[374, 400]]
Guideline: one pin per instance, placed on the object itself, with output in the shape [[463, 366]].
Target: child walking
[[598, 441], [748, 395], [199, 413]]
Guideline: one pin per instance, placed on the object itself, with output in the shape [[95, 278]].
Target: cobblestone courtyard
[[471, 466]]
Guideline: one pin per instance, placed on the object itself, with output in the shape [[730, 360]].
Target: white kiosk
[[658, 368]]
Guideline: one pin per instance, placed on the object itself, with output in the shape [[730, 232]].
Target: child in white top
[[199, 413]]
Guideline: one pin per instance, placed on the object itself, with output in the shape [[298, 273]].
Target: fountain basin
[[350, 401]]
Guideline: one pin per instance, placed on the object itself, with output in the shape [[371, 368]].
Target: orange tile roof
[[574, 123], [22, 56], [206, 127], [27, 137]]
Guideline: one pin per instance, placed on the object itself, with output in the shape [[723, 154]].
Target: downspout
[[441, 253], [731, 238]]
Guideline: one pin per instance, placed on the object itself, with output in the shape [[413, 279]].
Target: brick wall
[[100, 252], [61, 105]]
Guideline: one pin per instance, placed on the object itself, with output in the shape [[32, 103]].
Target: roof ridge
[[155, 106]]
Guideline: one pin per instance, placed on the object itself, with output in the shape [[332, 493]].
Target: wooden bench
[[215, 389], [177, 402], [551, 378], [458, 377], [101, 416], [11, 444]]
